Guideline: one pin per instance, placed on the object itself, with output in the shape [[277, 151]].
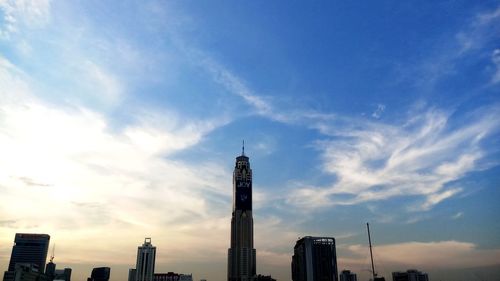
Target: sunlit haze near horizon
[[121, 120]]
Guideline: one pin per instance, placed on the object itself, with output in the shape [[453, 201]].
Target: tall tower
[[145, 266], [241, 256]]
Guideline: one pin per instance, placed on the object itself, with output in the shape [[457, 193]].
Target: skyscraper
[[314, 259], [145, 266], [241, 254], [30, 249]]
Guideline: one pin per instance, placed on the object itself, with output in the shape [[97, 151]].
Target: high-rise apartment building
[[145, 266], [30, 249], [410, 275], [314, 259], [241, 255], [347, 275]]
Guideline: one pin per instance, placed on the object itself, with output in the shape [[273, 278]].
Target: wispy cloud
[[480, 30], [420, 158], [105, 85], [495, 58], [378, 112], [457, 215], [235, 85], [18, 14]]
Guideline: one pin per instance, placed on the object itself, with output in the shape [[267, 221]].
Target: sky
[[121, 120]]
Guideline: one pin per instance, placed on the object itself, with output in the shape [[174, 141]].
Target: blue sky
[[121, 120]]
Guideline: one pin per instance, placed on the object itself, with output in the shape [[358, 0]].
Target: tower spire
[[243, 148]]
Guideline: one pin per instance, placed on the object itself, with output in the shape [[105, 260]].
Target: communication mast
[[374, 274]]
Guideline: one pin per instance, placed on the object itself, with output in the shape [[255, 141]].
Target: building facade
[[347, 275], [241, 255], [314, 259], [30, 249], [410, 275], [145, 266]]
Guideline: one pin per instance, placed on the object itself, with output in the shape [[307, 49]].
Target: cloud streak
[[420, 158]]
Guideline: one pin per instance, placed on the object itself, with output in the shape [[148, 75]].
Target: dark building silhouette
[[30, 249], [410, 275], [347, 275], [264, 278], [241, 255], [62, 274], [172, 276], [100, 274], [131, 274], [314, 259], [169, 276], [56, 274], [25, 272], [50, 270]]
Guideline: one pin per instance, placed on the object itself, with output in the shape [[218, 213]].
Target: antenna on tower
[[53, 252], [243, 148], [374, 274]]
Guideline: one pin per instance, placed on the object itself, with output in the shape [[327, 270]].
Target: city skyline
[[121, 120]]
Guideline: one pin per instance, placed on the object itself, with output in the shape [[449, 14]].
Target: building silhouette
[[50, 270], [241, 255], [185, 277], [347, 275], [100, 274], [145, 266], [410, 275], [169, 276], [62, 274], [172, 276], [264, 278], [56, 274], [314, 259], [25, 272], [131, 274], [30, 249]]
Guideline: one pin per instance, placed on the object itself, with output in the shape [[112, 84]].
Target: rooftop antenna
[[243, 148], [371, 253], [53, 252]]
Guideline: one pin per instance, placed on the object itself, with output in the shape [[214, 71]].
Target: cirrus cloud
[[423, 157]]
